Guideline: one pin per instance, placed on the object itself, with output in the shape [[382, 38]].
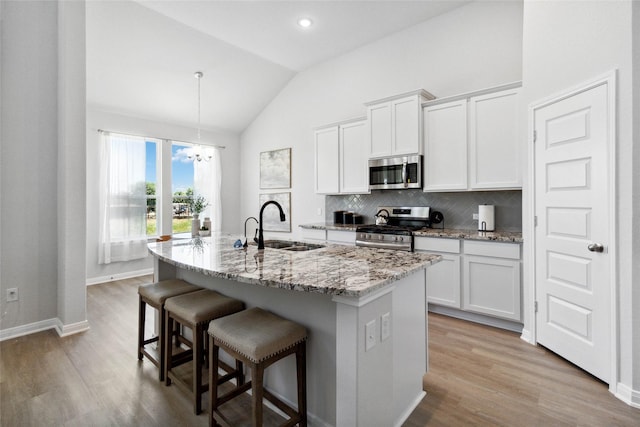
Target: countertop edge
[[447, 233]]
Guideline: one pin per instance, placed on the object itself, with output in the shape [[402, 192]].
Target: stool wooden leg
[[141, 319], [301, 368], [168, 348], [257, 374], [198, 347], [213, 381]]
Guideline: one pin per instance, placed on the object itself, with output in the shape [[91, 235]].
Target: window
[[132, 206]]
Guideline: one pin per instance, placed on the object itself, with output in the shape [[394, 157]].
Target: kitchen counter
[[364, 309], [447, 233], [333, 270]]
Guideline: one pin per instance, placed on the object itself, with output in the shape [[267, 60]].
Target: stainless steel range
[[397, 233]]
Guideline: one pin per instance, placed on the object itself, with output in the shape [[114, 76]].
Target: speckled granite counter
[[334, 269], [365, 311], [448, 233]]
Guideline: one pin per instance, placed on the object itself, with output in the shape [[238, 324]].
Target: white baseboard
[[477, 318], [43, 325], [119, 276], [73, 328], [31, 328], [526, 336], [628, 395]]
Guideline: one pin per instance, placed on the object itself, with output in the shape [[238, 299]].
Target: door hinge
[[535, 220], [535, 136], [535, 306]]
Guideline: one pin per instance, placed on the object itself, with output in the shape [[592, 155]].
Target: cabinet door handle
[[596, 247]]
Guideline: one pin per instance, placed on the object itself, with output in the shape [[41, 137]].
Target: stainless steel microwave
[[395, 173]]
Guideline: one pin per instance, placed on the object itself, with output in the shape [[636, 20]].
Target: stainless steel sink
[[288, 245]]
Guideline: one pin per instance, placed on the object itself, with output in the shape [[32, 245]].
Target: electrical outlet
[[370, 335], [319, 212], [12, 294], [385, 326], [475, 216]]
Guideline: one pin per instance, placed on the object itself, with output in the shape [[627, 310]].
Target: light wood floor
[[478, 376]]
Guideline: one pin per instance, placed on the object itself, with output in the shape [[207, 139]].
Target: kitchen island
[[338, 293]]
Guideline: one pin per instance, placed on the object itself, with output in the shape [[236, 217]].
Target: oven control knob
[[381, 237], [400, 238]]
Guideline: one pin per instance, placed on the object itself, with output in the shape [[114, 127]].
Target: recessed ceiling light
[[305, 22]]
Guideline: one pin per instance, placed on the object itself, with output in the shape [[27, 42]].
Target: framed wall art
[[275, 169], [271, 214]]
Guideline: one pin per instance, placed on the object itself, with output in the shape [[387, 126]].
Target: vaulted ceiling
[[142, 55]]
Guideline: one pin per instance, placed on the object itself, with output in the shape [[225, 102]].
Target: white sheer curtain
[[207, 182], [123, 205]]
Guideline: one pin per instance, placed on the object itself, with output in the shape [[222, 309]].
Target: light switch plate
[[370, 335], [385, 326]]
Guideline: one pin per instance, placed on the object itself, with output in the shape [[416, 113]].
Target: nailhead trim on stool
[[155, 294], [195, 310], [258, 338]]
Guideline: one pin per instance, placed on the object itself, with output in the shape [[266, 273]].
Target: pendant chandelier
[[197, 156]]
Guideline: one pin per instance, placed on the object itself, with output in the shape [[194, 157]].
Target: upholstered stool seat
[[258, 338], [195, 310], [155, 294]]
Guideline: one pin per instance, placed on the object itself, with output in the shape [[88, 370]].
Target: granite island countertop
[[447, 233], [333, 269]]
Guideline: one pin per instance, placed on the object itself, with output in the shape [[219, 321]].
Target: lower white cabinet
[[341, 237], [443, 278], [492, 286], [443, 281], [314, 234], [475, 276]]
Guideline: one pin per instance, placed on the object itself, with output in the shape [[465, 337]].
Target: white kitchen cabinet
[[327, 162], [314, 234], [443, 278], [445, 148], [494, 141], [492, 279], [341, 237], [475, 277], [354, 178], [471, 141], [395, 124], [341, 158]]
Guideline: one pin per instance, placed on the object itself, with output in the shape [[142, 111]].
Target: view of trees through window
[[181, 187]]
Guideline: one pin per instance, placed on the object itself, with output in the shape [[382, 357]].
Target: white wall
[[564, 44], [42, 180], [29, 161], [114, 122], [472, 47]]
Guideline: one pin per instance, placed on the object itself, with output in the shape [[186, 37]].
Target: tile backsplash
[[457, 208]]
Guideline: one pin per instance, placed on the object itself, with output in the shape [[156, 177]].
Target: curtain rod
[[221, 147]]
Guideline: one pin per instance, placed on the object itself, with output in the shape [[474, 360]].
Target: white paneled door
[[573, 289]]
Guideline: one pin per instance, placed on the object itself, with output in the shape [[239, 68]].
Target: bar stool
[[195, 310], [155, 294], [258, 338]]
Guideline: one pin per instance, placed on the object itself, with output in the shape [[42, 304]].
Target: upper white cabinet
[[327, 161], [395, 124], [471, 142], [341, 158], [445, 149], [494, 145], [354, 169]]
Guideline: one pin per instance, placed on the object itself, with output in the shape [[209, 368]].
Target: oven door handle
[[381, 245], [404, 174]]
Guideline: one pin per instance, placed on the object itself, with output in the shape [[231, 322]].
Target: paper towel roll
[[486, 218]]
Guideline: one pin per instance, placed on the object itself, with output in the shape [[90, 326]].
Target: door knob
[[596, 247]]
